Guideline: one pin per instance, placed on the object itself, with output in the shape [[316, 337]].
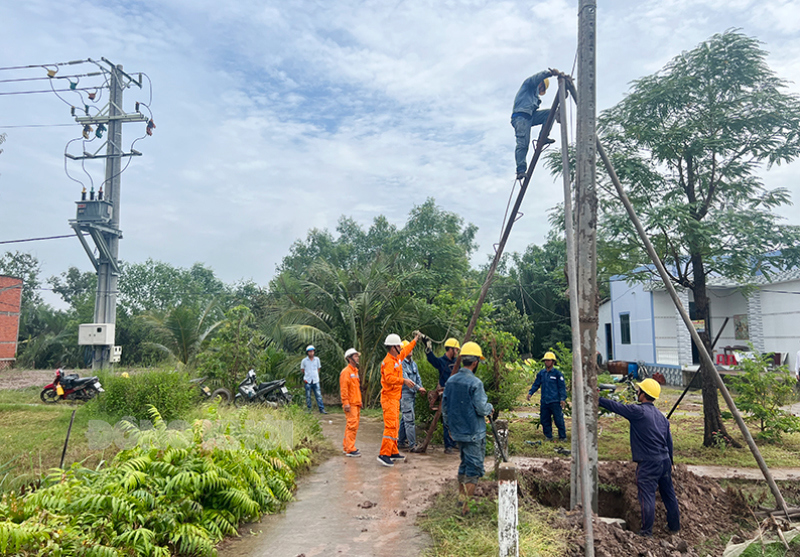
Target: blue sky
[[275, 117]]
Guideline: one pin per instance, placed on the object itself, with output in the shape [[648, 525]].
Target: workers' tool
[[534, 443], [497, 439]]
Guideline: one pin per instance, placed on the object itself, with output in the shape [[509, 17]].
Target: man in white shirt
[[310, 367]]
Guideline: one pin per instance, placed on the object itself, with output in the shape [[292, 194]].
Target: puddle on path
[[325, 519]]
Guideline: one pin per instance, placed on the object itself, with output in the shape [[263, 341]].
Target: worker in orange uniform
[[392, 382], [350, 391]]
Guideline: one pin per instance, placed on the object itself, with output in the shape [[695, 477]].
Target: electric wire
[[45, 66], [38, 239], [35, 126], [42, 78], [5, 93]]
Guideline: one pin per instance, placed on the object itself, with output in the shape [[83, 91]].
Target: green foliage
[[237, 347], [183, 329], [760, 394], [177, 492], [335, 309], [165, 389]]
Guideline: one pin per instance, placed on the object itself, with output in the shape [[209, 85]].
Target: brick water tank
[[10, 298]]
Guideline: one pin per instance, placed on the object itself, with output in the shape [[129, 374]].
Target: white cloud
[[274, 117]]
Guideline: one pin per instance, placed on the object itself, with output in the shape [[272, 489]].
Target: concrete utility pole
[[586, 226], [101, 218]]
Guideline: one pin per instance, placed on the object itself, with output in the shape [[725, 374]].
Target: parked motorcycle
[[222, 393], [272, 393], [70, 386]]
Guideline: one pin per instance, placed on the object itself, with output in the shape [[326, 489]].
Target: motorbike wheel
[[49, 396], [239, 401], [223, 394]]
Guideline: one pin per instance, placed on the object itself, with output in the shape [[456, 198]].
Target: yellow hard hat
[[546, 83], [452, 343], [651, 387], [549, 356], [125, 374], [472, 349], [404, 343]]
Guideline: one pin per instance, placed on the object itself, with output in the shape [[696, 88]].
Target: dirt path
[[329, 515]]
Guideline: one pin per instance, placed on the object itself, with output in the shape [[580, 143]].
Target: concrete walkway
[[352, 506]]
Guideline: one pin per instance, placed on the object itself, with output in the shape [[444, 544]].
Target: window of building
[[625, 328]]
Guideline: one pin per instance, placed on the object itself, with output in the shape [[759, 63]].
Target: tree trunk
[[712, 418]]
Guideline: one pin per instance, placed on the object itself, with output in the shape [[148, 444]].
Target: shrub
[[760, 394], [177, 492], [169, 391]]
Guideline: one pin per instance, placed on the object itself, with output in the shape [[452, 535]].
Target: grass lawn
[[687, 436], [476, 534], [32, 435]]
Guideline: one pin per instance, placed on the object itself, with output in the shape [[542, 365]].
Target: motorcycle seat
[[271, 384], [83, 381]]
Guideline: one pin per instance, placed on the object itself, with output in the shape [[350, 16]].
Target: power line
[[47, 77], [37, 239], [45, 66], [36, 126], [49, 91]]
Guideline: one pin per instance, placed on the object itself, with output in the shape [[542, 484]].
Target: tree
[[74, 286], [688, 142], [159, 286], [183, 329], [336, 309]]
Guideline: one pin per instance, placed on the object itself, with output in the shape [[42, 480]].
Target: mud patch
[[707, 510]]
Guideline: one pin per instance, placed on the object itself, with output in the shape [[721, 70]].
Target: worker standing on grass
[[310, 367], [407, 438], [651, 448], [526, 114], [444, 365], [464, 410], [391, 383], [554, 397], [350, 391]]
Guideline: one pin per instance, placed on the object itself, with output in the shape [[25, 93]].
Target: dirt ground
[[23, 378], [352, 506], [706, 509]]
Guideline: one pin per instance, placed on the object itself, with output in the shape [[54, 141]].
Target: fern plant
[[176, 492]]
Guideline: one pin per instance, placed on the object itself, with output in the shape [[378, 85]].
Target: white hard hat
[[310, 347], [350, 352], [393, 340]]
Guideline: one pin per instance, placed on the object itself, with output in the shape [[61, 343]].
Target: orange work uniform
[[391, 389], [350, 390]]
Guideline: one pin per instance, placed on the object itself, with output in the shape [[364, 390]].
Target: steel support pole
[[586, 235], [105, 305], [584, 487], [701, 348]]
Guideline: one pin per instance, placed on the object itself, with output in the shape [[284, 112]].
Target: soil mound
[[706, 509]]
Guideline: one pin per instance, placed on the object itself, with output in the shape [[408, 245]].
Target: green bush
[[176, 492], [761, 392], [169, 391]]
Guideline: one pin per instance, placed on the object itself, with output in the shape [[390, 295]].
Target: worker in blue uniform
[[651, 448], [444, 365], [554, 397], [526, 114]]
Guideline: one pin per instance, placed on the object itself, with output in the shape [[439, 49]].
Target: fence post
[[507, 518], [502, 434]]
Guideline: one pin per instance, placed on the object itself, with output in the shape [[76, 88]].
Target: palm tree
[[337, 309], [183, 329]]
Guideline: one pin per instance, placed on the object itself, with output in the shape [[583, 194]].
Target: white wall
[[603, 317], [634, 300], [781, 318], [665, 322], [723, 303]]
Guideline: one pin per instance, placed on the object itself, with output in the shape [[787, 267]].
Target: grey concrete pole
[[105, 306], [581, 482], [586, 231]]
